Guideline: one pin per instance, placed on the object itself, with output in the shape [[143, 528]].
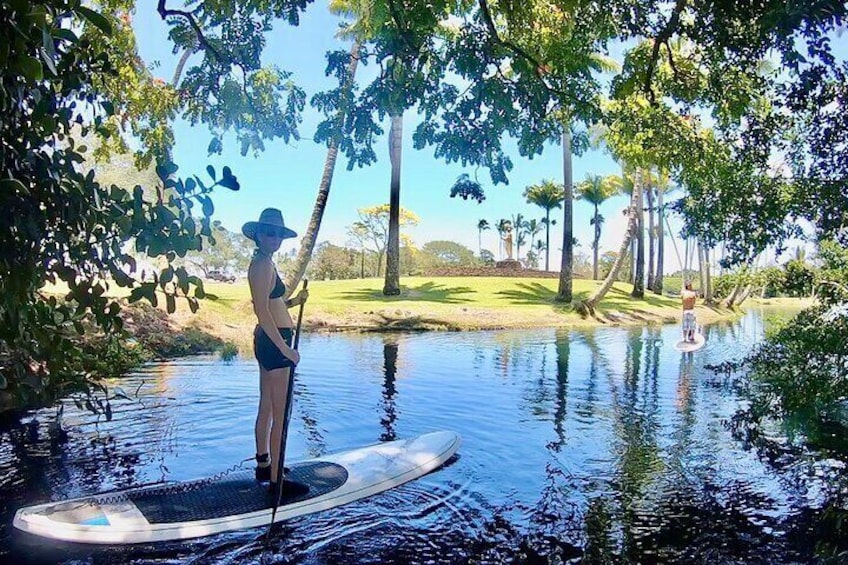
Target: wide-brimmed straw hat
[[270, 220]]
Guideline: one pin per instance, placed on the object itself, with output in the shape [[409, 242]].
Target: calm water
[[600, 446]]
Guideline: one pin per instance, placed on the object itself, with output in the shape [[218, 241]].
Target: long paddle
[[286, 417]]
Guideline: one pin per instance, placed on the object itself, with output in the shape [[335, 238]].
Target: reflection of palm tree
[[635, 428], [390, 355], [563, 352], [600, 541]]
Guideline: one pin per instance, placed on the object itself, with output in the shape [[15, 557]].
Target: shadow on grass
[[535, 293], [624, 301], [427, 292]]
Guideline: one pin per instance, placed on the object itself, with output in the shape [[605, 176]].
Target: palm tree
[[664, 186], [391, 286], [547, 195], [519, 224], [533, 228], [639, 272], [588, 306], [596, 62], [564, 293], [596, 190], [650, 185], [482, 225], [351, 30]]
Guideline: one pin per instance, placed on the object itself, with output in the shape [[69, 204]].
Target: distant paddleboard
[[690, 346], [236, 501]]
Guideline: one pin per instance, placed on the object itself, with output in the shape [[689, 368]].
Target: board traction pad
[[236, 494]]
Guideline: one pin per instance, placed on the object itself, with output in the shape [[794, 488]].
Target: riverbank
[[441, 303]]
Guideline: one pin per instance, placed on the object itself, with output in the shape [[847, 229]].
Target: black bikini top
[[279, 289]]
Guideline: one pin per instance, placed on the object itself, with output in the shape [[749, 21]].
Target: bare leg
[[278, 382], [264, 415]]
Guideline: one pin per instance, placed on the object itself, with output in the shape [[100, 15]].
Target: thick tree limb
[[188, 16], [662, 39]]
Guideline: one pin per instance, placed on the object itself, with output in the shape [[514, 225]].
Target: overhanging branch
[[188, 16], [662, 39], [538, 67]]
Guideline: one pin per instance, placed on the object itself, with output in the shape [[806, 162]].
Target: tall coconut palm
[[482, 226], [354, 30], [639, 272], [596, 62], [546, 195], [649, 187], [596, 190], [664, 186], [391, 286], [566, 278]]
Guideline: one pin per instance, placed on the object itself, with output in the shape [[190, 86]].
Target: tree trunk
[[588, 306], [547, 238], [632, 253], [731, 298], [708, 279], [658, 279], [744, 295], [701, 265], [565, 276], [596, 243], [178, 72], [650, 194], [307, 243], [391, 287], [639, 277]]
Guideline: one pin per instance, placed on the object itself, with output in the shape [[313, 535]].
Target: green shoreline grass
[[441, 303]]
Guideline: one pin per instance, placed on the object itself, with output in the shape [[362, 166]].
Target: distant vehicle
[[220, 276]]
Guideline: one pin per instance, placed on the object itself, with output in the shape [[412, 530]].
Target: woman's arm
[[300, 298], [260, 276]]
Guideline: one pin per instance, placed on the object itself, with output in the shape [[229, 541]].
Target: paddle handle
[[299, 319]]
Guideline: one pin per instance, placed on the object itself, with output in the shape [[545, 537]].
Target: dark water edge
[[598, 446]]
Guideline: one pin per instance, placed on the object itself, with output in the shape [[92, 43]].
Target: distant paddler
[[688, 297]]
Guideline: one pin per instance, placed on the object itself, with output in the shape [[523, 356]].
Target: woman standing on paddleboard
[[272, 343]]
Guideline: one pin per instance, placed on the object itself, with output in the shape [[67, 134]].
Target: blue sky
[[287, 176]]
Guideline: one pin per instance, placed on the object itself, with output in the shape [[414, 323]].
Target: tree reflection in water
[[390, 358]]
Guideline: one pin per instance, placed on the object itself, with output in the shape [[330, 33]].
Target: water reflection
[[592, 446], [390, 356]]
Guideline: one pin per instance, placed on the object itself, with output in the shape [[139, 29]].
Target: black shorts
[[267, 353]]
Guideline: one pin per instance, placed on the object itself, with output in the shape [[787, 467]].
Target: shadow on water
[[590, 446]]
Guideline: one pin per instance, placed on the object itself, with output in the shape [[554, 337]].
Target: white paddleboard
[[690, 346], [236, 501]]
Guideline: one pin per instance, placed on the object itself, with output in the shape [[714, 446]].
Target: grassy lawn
[[447, 303]]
